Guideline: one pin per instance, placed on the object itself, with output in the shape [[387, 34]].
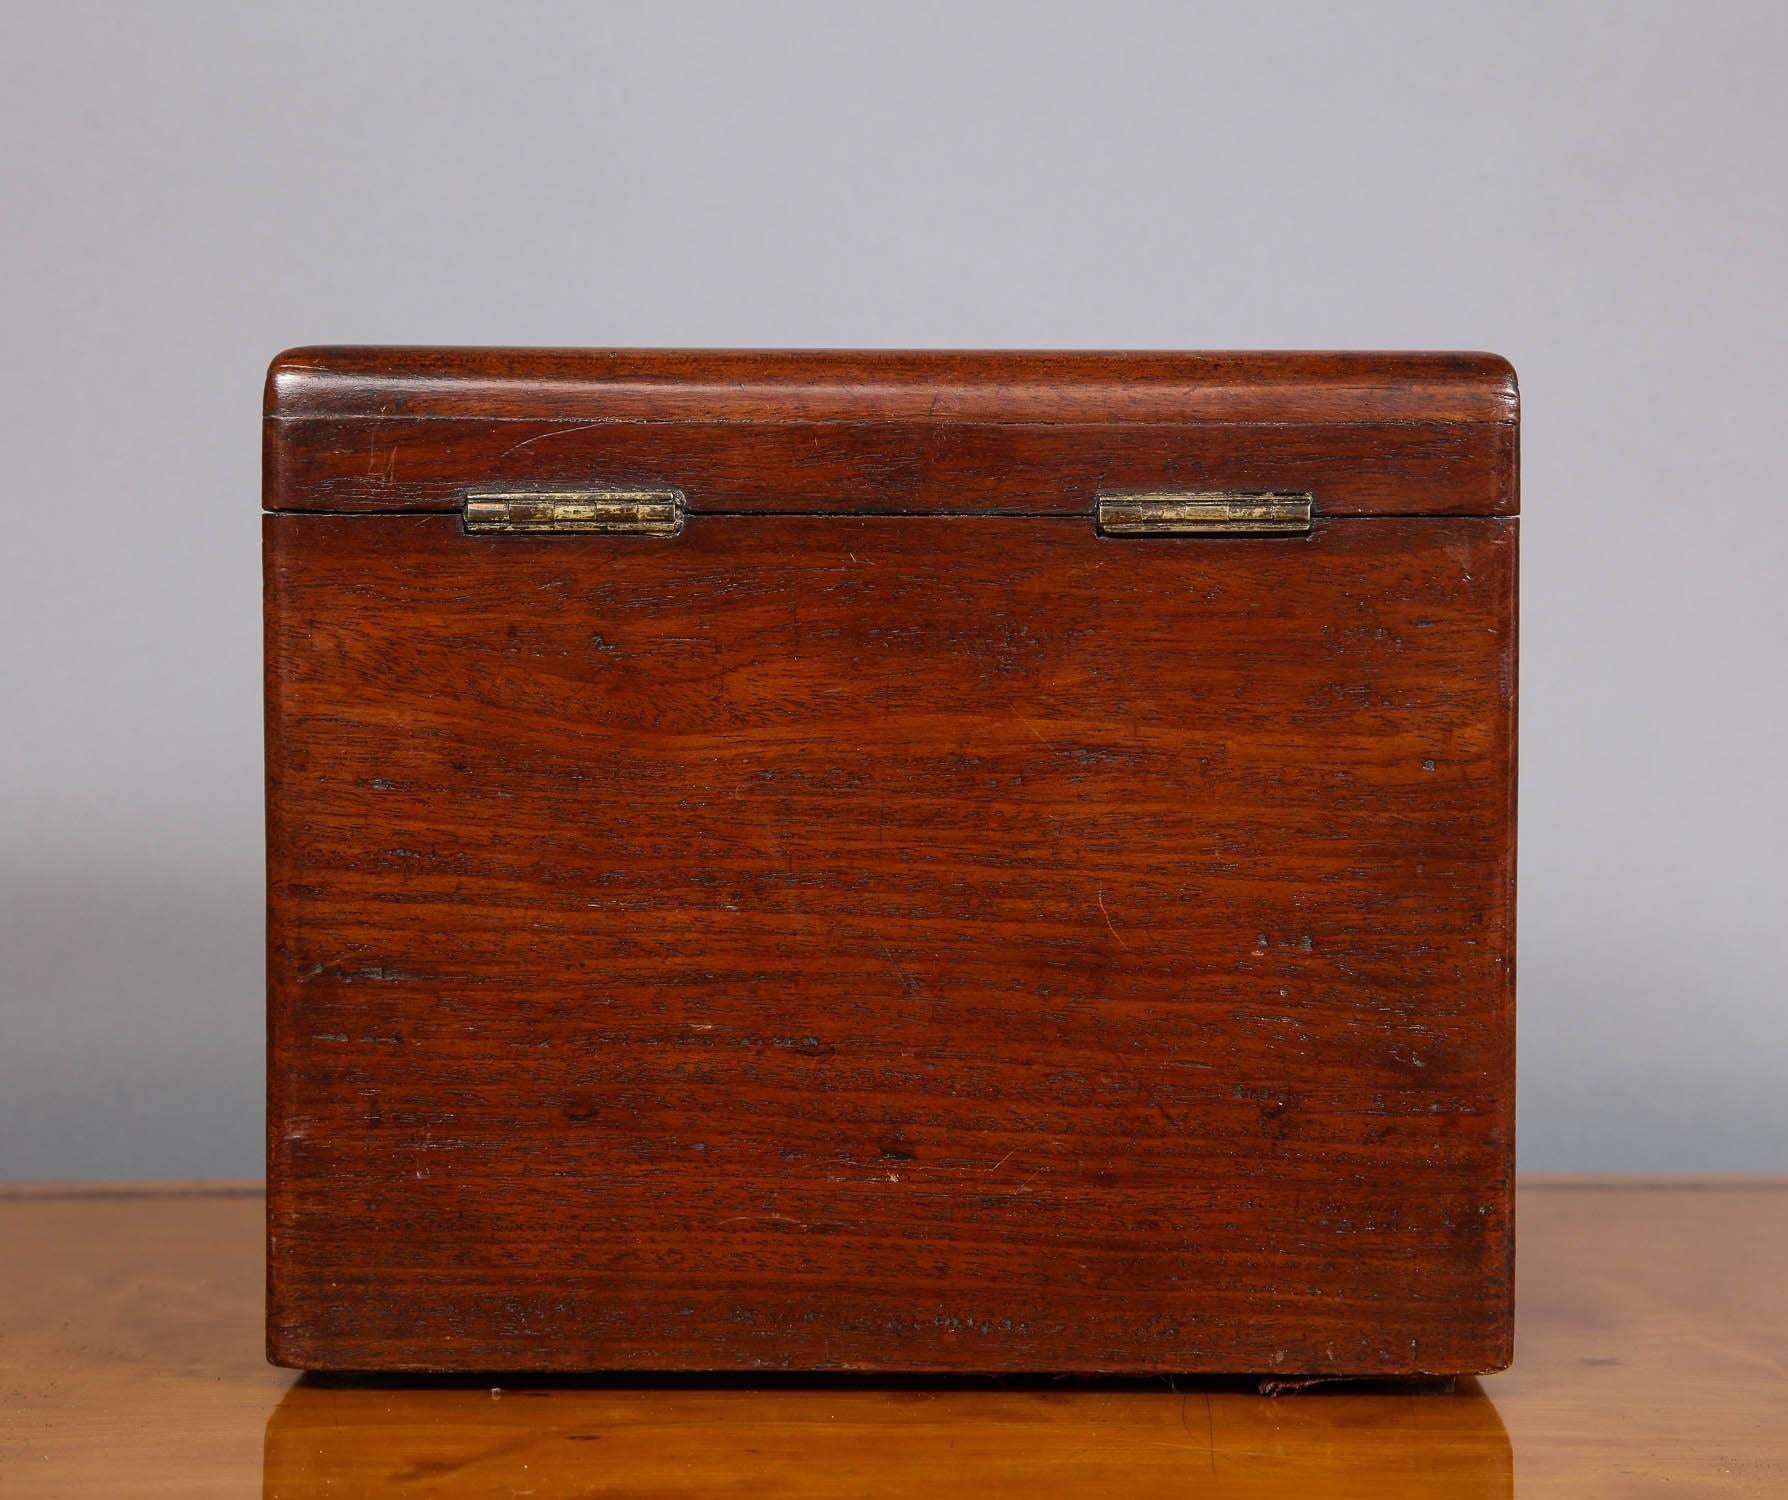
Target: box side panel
[[939, 944], [282, 759]]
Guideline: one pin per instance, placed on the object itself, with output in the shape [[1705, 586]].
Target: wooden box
[[895, 862]]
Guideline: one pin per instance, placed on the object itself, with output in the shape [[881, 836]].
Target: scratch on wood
[[1108, 922], [541, 437]]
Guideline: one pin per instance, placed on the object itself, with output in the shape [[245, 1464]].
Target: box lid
[[380, 430]]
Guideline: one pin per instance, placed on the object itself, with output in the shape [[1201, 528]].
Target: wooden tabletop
[[1651, 1359]]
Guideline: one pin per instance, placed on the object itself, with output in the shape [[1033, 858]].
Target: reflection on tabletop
[[344, 1438]]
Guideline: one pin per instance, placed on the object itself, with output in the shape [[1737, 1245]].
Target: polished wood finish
[[866, 943], [423, 463], [397, 430], [938, 942], [892, 385], [1653, 1330]]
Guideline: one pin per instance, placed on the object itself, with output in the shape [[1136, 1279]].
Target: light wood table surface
[[1651, 1359]]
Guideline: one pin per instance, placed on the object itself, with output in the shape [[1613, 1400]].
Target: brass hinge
[[653, 512], [1219, 513]]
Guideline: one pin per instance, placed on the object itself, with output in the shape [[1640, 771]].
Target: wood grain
[[942, 943], [402, 430], [891, 468], [1653, 1330], [891, 385]]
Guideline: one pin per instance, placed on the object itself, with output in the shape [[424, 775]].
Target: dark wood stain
[[940, 942], [392, 430], [421, 463], [890, 386]]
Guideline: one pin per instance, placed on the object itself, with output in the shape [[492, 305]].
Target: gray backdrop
[[1595, 191]]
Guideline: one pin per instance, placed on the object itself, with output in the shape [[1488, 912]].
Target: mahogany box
[[890, 862]]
